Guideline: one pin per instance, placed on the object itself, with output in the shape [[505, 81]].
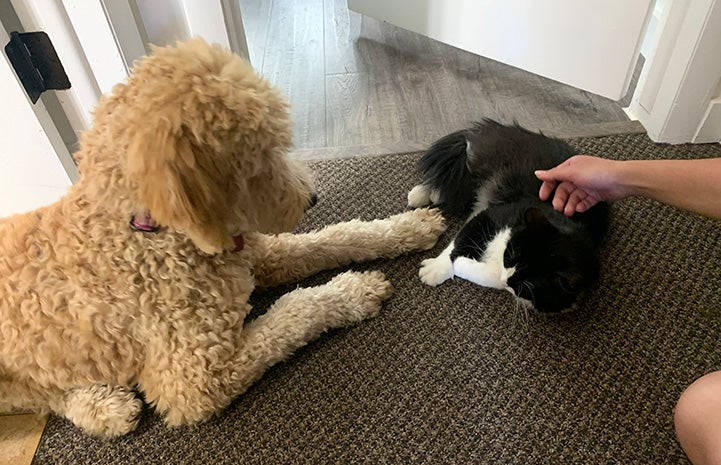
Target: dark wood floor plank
[[591, 130], [363, 110]]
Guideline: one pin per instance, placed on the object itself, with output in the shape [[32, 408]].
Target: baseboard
[[589, 130]]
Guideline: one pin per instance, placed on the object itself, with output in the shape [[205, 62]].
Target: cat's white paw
[[423, 195], [434, 271], [419, 196], [484, 274]]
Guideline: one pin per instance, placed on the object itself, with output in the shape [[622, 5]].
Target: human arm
[[582, 181]]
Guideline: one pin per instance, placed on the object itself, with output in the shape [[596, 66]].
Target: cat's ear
[[536, 221]]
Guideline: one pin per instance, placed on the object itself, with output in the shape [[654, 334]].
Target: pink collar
[[146, 224]]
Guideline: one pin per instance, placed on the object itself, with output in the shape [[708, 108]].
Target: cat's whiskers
[[530, 286], [488, 235], [521, 314], [523, 306], [477, 246]]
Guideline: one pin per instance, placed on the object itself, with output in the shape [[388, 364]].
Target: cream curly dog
[[193, 147]]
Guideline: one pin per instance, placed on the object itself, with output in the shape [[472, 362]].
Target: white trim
[[205, 19], [710, 129], [97, 40], [234, 25], [688, 79], [129, 34], [164, 22], [662, 45], [218, 22]]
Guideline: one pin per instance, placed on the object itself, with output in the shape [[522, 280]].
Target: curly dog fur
[[92, 311]]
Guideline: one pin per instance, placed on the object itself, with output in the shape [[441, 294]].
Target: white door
[[589, 44], [35, 167]]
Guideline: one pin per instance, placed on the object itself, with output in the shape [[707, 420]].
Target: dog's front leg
[[194, 385], [103, 410], [302, 315], [289, 257]]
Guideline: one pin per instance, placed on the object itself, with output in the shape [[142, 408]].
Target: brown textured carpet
[[451, 375]]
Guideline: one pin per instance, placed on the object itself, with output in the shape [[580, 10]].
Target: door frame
[[678, 96], [98, 40]]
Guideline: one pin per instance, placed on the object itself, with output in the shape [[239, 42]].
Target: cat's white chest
[[488, 271]]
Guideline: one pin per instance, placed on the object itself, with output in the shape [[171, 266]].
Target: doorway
[[354, 81]]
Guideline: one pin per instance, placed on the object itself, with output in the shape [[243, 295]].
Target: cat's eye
[[570, 282]]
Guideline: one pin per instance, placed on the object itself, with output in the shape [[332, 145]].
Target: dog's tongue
[[144, 223]]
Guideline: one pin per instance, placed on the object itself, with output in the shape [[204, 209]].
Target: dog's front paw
[[104, 410], [434, 271], [421, 228], [362, 293], [377, 287]]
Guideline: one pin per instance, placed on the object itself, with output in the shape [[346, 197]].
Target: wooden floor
[[19, 438], [356, 81]]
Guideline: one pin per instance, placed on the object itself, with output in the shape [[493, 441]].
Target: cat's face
[[552, 267]]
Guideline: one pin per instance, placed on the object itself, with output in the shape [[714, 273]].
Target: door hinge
[[36, 63]]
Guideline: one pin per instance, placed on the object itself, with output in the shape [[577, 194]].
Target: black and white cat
[[511, 239]]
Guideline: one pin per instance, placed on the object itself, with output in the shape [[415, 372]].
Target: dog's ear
[[181, 183]]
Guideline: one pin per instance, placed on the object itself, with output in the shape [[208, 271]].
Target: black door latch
[[36, 63]]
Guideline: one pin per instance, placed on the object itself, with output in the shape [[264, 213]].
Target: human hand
[[580, 183]]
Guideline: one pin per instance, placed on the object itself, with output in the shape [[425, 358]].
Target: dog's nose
[[313, 200]]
